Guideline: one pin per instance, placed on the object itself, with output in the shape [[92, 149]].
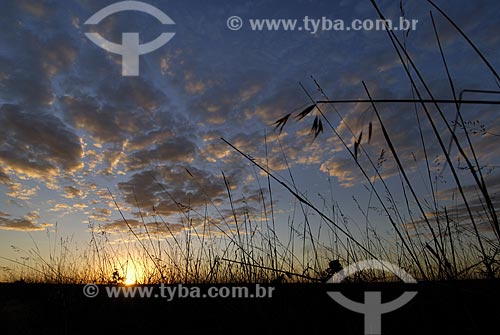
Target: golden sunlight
[[130, 279], [131, 275]]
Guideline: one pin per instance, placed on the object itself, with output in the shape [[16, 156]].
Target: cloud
[[100, 122], [35, 215], [492, 182], [22, 192], [459, 218], [193, 86], [37, 145], [34, 57], [25, 86], [132, 93], [144, 141], [80, 206], [21, 224], [178, 190], [72, 192], [60, 207], [101, 214], [57, 55], [35, 8], [220, 107], [174, 150], [401, 124], [102, 211], [144, 230], [4, 178], [130, 118]]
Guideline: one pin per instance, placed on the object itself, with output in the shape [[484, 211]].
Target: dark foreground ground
[[466, 307]]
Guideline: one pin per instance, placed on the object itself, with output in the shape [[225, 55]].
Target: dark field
[[250, 156], [453, 307]]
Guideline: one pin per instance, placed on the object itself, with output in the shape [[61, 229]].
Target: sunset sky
[[71, 126]]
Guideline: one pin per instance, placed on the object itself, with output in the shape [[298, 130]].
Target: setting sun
[[131, 275], [130, 280]]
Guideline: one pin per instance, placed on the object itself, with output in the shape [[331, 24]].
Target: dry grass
[[430, 241]]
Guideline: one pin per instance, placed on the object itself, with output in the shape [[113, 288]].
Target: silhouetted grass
[[245, 247]]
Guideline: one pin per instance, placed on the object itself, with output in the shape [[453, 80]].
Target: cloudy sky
[[71, 126]]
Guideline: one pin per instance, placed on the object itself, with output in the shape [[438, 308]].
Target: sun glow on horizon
[[130, 279], [132, 275]]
